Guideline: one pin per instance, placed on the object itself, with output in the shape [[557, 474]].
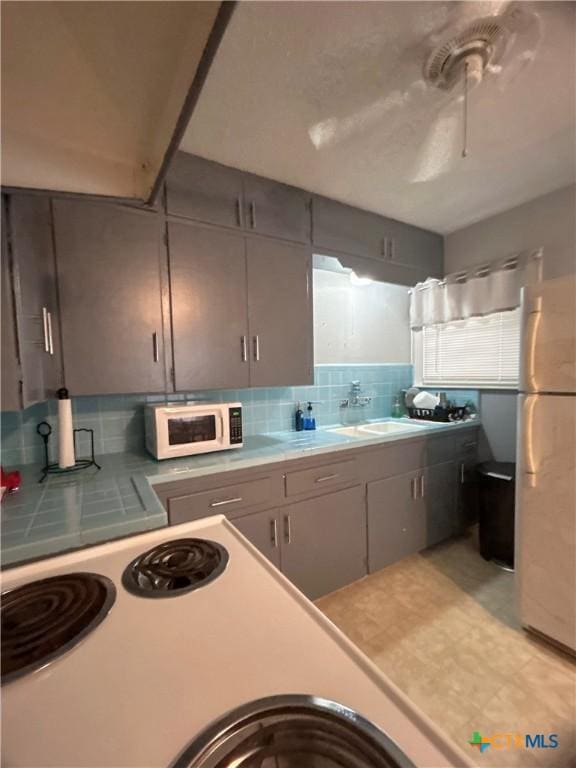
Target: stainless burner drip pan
[[292, 731]]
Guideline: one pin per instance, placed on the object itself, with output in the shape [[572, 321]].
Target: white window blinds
[[480, 351]]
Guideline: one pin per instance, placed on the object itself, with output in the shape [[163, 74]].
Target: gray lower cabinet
[[205, 191], [276, 209], [396, 519], [109, 264], [29, 226], [262, 530], [279, 321], [438, 491], [209, 309], [324, 541]]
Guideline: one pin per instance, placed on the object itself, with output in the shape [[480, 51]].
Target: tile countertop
[[93, 506]]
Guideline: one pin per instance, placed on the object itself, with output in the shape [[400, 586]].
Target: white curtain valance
[[483, 290]]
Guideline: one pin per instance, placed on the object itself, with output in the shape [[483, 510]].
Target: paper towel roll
[[66, 456]]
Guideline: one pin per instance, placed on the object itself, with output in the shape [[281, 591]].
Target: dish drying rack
[[440, 413]]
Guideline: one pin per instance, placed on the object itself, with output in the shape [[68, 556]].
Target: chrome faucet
[[356, 399]]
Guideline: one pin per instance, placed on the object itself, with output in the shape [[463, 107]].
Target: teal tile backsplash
[[118, 420]]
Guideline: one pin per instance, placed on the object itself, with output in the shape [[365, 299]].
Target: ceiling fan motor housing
[[468, 53]]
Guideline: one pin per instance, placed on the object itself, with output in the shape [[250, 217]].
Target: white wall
[[359, 324], [548, 221]]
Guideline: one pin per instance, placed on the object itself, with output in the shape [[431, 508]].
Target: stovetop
[[44, 619]]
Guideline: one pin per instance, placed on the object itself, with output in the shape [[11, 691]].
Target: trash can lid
[[502, 470]]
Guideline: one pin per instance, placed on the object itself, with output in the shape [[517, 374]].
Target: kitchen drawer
[[230, 500], [438, 450], [394, 459], [318, 479]]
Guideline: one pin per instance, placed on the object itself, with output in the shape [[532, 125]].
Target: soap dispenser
[[309, 420], [299, 419]]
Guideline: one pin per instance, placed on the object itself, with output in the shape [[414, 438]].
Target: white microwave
[[184, 429]]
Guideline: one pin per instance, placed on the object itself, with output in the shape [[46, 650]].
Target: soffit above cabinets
[[93, 92], [332, 97]]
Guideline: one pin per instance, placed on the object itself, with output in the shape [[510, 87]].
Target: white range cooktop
[[140, 686]]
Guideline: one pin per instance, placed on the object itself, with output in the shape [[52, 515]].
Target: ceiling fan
[[471, 54]]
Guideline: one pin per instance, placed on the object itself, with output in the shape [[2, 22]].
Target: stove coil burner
[[44, 619], [175, 567]]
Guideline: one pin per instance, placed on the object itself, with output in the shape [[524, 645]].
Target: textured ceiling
[[330, 97]]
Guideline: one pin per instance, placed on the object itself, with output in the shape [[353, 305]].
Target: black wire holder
[[54, 468]]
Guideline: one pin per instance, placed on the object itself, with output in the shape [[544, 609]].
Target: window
[[478, 352]]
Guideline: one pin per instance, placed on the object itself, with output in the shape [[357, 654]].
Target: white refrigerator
[[546, 472]]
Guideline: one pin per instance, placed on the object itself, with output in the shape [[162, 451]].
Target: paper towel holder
[[44, 429]]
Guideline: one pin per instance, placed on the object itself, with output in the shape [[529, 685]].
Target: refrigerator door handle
[[527, 364], [529, 463]]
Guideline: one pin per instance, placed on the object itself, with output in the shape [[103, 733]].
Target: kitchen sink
[[376, 428], [293, 731]]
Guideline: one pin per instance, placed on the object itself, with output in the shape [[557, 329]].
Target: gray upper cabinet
[[414, 247], [280, 321], [276, 209], [35, 296], [109, 267], [344, 229], [262, 530], [203, 190], [324, 541], [209, 311], [10, 366], [396, 519], [339, 227]]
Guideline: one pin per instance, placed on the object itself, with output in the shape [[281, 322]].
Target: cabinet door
[[339, 227], [276, 209], [279, 313], [396, 520], [203, 190], [261, 529], [438, 490], [324, 541], [10, 367], [30, 228], [414, 247], [109, 261], [209, 313]]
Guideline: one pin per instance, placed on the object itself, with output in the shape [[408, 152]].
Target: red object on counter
[[10, 480]]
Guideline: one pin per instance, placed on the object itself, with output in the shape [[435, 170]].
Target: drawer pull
[[422, 486], [325, 478], [462, 474], [287, 529], [469, 445], [235, 500]]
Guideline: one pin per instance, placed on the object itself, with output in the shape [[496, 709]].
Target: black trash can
[[496, 511]]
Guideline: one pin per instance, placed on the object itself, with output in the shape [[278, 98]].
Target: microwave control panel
[[235, 418]]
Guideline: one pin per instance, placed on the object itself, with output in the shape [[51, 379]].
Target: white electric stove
[[122, 654]]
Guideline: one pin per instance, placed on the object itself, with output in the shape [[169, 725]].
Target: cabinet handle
[[287, 529], [256, 342], [384, 246], [155, 347], [391, 248], [274, 532], [235, 500], [413, 488], [50, 338], [469, 445], [422, 490], [45, 329], [244, 349], [253, 214], [324, 478], [462, 473], [238, 211]]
